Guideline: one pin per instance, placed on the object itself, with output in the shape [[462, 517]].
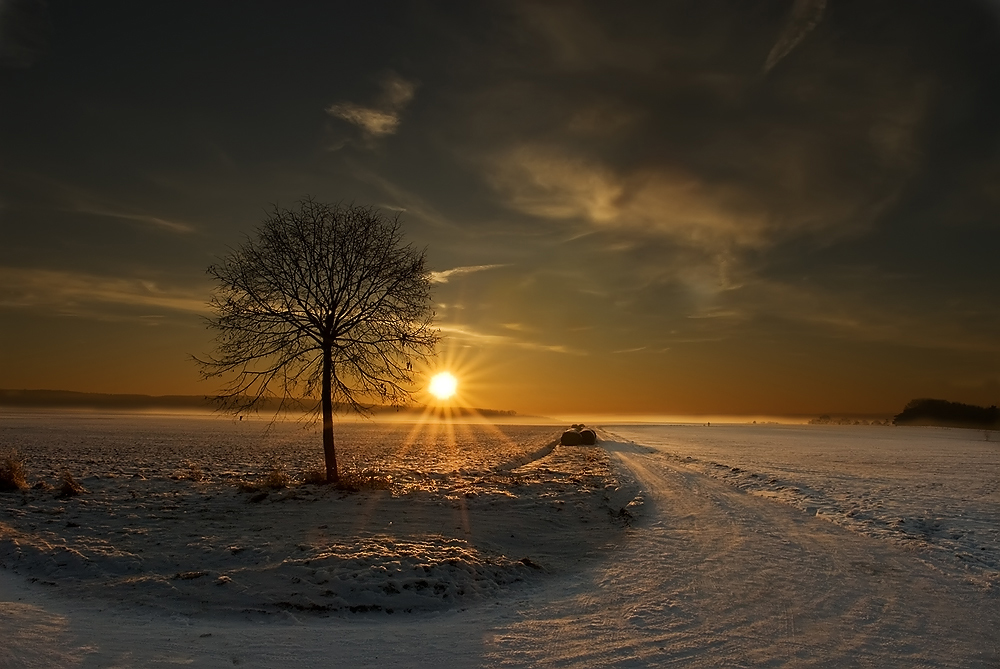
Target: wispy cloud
[[173, 226], [374, 122], [445, 275], [549, 182], [469, 334], [631, 350], [75, 293], [69, 197], [403, 200], [384, 117], [846, 310]]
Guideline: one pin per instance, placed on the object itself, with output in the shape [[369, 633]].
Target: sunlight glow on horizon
[[466, 382]]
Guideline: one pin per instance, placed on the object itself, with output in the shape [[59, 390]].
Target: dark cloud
[[639, 133], [24, 31], [674, 180]]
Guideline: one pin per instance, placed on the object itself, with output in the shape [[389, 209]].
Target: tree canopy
[[324, 299]]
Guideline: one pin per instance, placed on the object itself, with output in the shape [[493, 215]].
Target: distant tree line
[[827, 419], [948, 414]]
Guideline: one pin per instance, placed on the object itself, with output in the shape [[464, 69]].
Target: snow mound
[[389, 574], [495, 512], [375, 573]]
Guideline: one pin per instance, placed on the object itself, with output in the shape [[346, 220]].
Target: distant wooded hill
[[948, 414], [67, 399]]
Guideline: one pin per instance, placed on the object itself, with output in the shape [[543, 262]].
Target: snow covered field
[[933, 491], [721, 546]]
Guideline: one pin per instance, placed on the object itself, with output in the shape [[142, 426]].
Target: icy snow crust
[[932, 490], [470, 512]]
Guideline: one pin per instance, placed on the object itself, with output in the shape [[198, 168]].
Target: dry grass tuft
[[354, 480], [13, 475], [315, 476], [70, 486], [247, 486], [351, 480], [276, 479]]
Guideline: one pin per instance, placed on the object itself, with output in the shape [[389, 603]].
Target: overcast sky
[[683, 206]]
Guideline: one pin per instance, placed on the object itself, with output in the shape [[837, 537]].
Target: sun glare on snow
[[443, 385]]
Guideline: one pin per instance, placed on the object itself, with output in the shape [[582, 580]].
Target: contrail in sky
[[805, 15]]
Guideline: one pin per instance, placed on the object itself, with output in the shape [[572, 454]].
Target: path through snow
[[713, 576]]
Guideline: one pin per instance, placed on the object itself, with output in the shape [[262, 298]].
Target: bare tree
[[324, 298]]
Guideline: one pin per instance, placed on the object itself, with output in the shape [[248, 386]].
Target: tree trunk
[[329, 451]]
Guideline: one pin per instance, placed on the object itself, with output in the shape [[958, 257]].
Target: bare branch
[[324, 299]]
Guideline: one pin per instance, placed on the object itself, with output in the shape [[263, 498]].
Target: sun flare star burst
[[443, 385]]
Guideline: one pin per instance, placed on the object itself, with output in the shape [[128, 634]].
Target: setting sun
[[443, 385]]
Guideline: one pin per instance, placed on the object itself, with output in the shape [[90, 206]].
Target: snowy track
[[712, 576], [707, 575]]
